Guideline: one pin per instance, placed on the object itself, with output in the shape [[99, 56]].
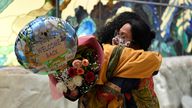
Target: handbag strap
[[113, 61]]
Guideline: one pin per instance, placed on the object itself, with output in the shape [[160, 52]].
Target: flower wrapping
[[81, 72]]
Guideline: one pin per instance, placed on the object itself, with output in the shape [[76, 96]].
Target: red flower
[[80, 71], [72, 72], [90, 77]]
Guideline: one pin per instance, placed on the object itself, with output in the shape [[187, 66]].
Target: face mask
[[120, 41]]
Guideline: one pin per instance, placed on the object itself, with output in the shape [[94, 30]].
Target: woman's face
[[123, 36]]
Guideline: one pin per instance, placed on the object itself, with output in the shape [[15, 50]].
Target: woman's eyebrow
[[123, 32]]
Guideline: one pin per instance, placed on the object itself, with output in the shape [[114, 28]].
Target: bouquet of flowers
[[82, 71]]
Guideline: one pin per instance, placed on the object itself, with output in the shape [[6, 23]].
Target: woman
[[117, 90], [134, 33]]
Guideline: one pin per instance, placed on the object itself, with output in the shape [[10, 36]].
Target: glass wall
[[170, 19]]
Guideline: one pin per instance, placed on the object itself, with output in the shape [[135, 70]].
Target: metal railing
[[156, 3]]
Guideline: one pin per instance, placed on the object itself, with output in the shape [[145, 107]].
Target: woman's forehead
[[126, 28]]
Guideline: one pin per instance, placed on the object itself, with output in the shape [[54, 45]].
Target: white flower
[[71, 85], [61, 87], [77, 80]]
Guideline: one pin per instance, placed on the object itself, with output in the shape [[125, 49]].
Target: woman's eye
[[123, 36]]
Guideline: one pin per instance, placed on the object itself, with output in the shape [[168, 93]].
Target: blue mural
[[171, 20]]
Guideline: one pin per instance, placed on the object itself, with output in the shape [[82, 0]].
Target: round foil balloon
[[46, 44]]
